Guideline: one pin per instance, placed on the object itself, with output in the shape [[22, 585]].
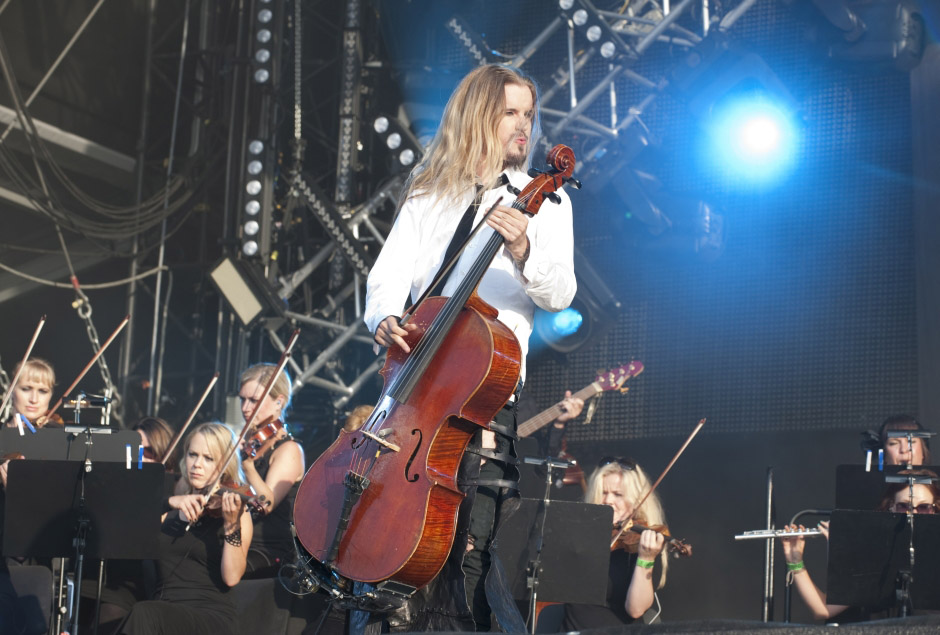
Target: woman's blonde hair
[[261, 373], [467, 134], [635, 485], [220, 440], [37, 370]]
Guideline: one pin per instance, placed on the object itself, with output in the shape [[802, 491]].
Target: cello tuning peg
[[575, 183], [533, 172], [553, 197], [515, 191]]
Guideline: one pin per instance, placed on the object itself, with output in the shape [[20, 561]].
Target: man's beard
[[513, 160]]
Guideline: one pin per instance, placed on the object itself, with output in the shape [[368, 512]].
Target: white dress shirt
[[415, 248]]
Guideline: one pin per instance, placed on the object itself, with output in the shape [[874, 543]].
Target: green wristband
[[795, 566], [644, 564]]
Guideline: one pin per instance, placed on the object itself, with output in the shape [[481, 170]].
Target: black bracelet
[[234, 538]]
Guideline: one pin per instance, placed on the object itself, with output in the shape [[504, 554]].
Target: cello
[[380, 504]]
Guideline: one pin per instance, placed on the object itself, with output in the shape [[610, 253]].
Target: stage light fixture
[[405, 148], [749, 121], [751, 137], [592, 312], [258, 156], [597, 31], [877, 33], [250, 296]]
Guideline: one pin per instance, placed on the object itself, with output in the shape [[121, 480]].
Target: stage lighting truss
[[617, 38], [256, 196]]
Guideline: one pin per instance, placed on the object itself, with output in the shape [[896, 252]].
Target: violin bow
[[16, 377], [285, 356], [636, 508], [94, 359], [192, 415]]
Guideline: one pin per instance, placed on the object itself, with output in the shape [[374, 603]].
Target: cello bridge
[[386, 444]]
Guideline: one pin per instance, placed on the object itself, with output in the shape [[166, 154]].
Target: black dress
[[584, 616], [272, 543], [191, 596]]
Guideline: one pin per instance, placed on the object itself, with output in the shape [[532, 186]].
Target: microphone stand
[[535, 565]]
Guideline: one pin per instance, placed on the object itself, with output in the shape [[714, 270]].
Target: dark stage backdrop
[[806, 321]]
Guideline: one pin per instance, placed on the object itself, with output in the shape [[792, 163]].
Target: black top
[[272, 531], [579, 617], [190, 565]]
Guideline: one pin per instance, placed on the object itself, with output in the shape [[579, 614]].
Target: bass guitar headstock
[[615, 378]]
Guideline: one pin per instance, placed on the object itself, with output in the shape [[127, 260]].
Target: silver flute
[[777, 533]]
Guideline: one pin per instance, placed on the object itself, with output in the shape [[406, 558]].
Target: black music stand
[[858, 489], [870, 560], [71, 445], [60, 508], [575, 552]]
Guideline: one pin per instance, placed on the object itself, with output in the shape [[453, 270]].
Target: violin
[[629, 541], [259, 439], [53, 421], [213, 507]]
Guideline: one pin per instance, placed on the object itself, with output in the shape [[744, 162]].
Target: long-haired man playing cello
[[484, 144]]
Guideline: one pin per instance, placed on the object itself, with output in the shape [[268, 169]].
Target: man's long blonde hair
[[467, 135]]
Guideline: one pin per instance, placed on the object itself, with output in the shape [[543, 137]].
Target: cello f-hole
[[414, 453]]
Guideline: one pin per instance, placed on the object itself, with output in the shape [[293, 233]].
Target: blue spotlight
[[566, 322], [751, 138]]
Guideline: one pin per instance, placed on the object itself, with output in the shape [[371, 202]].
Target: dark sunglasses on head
[[623, 461], [923, 508]]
